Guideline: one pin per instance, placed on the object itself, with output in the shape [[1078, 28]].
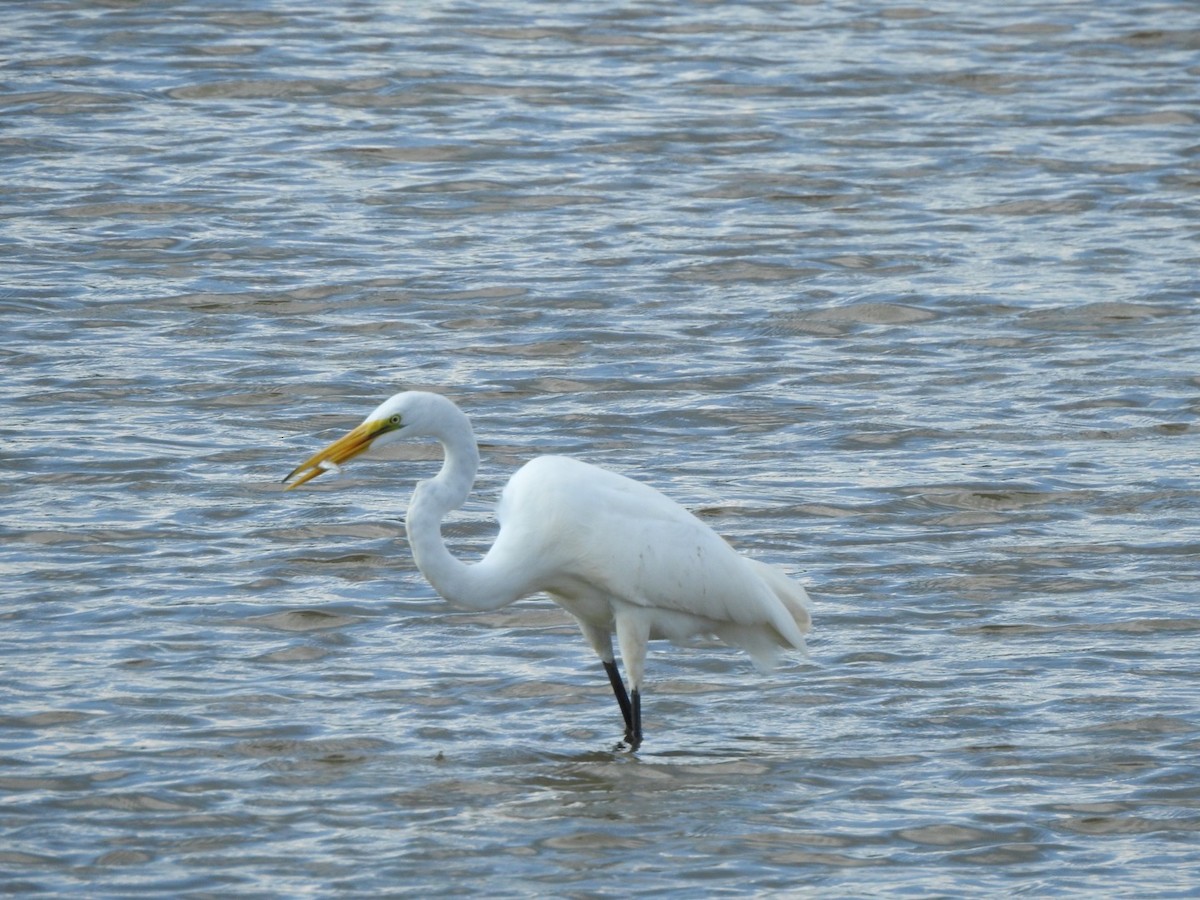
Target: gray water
[[901, 299]]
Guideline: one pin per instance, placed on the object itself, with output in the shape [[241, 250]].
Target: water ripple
[[901, 299]]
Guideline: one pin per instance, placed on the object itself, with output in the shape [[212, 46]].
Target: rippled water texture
[[900, 298]]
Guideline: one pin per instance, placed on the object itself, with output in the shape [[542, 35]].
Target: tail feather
[[793, 597]]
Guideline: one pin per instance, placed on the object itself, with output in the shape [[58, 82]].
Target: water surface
[[901, 299]]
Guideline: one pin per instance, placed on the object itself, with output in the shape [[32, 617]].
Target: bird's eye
[[394, 421]]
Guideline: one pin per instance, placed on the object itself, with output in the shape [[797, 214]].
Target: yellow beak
[[340, 451]]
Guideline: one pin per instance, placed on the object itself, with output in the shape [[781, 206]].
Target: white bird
[[614, 553]]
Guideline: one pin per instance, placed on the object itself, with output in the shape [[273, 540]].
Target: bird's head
[[411, 414]]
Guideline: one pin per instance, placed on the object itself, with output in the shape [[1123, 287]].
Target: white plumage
[[616, 554]]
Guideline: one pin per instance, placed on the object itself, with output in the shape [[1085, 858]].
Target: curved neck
[[456, 581]]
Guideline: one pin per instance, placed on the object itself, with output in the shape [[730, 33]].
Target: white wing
[[588, 533]]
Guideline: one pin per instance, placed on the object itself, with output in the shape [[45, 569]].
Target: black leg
[[618, 686], [633, 734]]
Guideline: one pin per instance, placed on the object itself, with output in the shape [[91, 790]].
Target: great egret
[[614, 553]]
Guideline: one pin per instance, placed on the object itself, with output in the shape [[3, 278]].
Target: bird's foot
[[629, 744]]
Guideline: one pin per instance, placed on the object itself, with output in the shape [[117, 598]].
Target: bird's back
[[594, 538]]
